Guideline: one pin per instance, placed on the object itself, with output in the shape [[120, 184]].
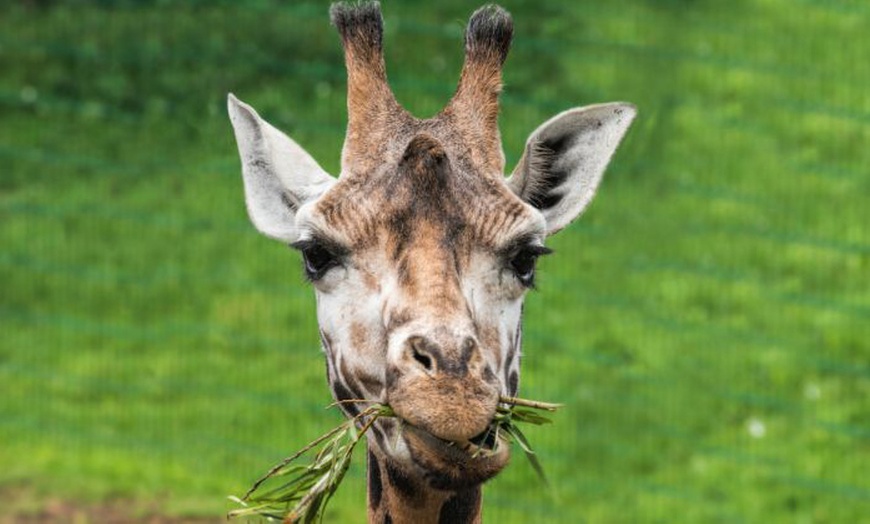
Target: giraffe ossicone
[[420, 254]]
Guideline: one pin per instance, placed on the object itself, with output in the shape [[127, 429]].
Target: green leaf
[[308, 487]]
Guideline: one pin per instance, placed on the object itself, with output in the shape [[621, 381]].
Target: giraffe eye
[[522, 263], [317, 258]]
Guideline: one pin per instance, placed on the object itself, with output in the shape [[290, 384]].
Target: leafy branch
[[304, 490]]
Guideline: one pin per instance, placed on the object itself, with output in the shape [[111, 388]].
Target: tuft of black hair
[[490, 31], [359, 22]]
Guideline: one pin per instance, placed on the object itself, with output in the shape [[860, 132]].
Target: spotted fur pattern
[[424, 312], [421, 253]]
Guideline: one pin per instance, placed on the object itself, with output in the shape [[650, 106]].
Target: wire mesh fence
[[706, 322]]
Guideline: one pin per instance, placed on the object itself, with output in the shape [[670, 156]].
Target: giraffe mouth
[[485, 443], [487, 440], [451, 464]]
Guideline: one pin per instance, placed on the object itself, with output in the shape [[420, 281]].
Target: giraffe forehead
[[400, 208]]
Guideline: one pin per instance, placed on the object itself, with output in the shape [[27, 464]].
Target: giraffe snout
[[434, 359], [443, 385]]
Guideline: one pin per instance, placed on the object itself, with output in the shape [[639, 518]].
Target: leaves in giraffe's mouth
[[511, 411], [292, 491]]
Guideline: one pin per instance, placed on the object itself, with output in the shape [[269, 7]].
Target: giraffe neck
[[396, 498]]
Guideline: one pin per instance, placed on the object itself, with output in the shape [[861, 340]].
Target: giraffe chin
[[454, 465]]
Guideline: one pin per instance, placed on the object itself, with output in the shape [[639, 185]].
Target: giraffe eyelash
[[318, 257], [522, 262]]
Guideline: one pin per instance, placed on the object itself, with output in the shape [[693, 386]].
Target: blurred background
[[706, 322]]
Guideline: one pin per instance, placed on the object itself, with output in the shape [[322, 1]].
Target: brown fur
[[376, 120], [429, 196], [395, 497], [373, 113], [421, 253], [431, 216], [474, 108]]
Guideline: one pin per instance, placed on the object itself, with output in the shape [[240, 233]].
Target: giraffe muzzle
[[443, 386]]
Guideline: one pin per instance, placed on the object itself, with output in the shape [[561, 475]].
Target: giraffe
[[420, 254]]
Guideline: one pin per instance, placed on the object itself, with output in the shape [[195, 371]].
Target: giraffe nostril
[[421, 353], [423, 359]]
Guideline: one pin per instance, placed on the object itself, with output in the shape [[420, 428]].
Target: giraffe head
[[420, 253]]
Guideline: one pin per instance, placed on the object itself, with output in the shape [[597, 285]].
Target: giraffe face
[[421, 252], [420, 274]]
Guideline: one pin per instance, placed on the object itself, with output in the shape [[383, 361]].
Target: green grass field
[[706, 322]]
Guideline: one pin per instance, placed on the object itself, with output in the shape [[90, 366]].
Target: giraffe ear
[[565, 158], [279, 176]]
